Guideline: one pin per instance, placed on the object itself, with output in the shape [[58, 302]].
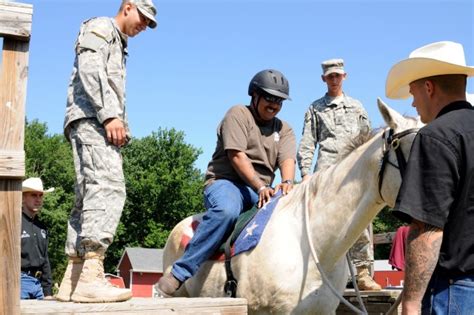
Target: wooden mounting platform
[[139, 306], [376, 302]]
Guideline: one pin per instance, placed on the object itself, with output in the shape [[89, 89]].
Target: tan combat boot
[[93, 287], [70, 278], [365, 282]]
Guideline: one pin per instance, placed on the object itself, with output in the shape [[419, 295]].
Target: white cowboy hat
[[438, 58], [35, 184]]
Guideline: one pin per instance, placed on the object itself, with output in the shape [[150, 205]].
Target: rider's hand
[[264, 195], [285, 186]]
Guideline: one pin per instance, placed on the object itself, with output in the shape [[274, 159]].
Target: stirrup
[[230, 288]]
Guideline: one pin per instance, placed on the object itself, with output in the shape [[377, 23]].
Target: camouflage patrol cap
[[333, 66], [147, 8]]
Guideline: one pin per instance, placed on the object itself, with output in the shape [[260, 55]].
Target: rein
[[392, 142]]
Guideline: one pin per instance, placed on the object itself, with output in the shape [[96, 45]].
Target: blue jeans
[[224, 201], [449, 296], [30, 288]]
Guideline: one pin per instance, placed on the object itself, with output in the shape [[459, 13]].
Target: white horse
[[279, 276]]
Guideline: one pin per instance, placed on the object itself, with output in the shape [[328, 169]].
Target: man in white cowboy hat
[[329, 124], [36, 281], [437, 193], [96, 125]]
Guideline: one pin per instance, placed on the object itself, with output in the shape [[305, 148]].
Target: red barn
[[140, 269]]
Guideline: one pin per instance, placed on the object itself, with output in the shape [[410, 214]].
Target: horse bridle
[[392, 142]]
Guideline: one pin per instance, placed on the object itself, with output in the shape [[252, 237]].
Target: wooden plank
[[10, 220], [372, 309], [380, 294], [140, 306], [13, 80], [376, 302], [15, 20], [384, 238], [12, 163]]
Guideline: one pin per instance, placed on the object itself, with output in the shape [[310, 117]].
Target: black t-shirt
[[438, 186], [34, 250]]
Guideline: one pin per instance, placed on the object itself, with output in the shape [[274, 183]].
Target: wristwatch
[[288, 181]]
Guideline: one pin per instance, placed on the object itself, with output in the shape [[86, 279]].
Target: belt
[[32, 273]]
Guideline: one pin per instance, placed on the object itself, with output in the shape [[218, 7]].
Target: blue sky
[[198, 62]]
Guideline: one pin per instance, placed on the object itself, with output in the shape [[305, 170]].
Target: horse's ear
[[390, 116]]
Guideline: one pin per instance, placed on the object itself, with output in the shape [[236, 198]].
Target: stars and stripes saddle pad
[[245, 236]]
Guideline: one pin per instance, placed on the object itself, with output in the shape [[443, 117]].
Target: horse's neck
[[345, 202]]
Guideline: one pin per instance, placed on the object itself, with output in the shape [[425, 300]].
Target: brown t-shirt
[[265, 145]]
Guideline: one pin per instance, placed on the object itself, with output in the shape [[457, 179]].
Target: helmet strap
[[255, 101]]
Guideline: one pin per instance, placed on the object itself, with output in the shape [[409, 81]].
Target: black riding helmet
[[272, 82]]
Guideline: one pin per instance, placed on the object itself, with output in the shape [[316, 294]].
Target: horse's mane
[[356, 142], [299, 190], [353, 144]]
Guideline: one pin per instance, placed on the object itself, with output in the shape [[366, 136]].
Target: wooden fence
[[15, 29]]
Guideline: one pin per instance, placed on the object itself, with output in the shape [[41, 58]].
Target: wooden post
[[15, 28]]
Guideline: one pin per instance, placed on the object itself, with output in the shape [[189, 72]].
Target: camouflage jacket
[[97, 85], [330, 125]]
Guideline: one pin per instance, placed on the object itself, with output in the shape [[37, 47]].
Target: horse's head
[[397, 140]]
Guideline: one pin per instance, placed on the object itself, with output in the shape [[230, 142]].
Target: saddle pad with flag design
[[244, 237]]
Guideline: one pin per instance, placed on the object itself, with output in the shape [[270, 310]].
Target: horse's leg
[[323, 301], [328, 301]]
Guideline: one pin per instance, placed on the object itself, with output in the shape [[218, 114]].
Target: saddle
[[246, 232], [245, 236]]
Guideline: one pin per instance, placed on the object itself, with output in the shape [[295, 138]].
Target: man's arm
[[92, 53], [422, 253], [307, 145], [46, 277], [287, 170], [364, 122], [91, 68], [242, 165]]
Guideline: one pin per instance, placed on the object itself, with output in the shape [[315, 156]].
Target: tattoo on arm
[[423, 246]]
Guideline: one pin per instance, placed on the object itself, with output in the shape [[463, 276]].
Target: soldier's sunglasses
[[273, 99]]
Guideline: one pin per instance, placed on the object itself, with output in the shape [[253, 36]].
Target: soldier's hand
[[115, 131], [264, 195]]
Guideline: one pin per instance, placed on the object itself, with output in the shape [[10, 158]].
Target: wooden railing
[[15, 28], [384, 238]]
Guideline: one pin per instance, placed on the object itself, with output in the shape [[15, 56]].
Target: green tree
[[163, 187], [385, 222], [50, 157]]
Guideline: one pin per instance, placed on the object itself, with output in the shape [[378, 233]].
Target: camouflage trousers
[[362, 252], [99, 188]]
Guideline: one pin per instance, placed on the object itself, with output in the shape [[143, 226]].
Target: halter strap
[[393, 142]]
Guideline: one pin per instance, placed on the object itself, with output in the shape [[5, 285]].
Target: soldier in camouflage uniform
[[96, 125], [331, 122]]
